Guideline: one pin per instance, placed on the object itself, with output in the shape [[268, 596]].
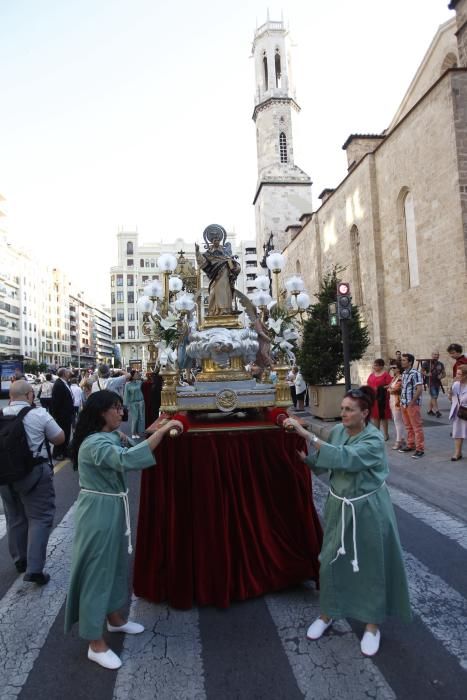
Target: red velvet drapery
[[225, 516]]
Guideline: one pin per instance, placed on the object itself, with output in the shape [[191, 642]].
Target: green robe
[[99, 568], [358, 466]]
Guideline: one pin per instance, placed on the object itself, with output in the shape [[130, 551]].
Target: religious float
[[227, 514]]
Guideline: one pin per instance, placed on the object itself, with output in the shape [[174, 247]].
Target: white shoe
[[370, 643], [127, 628], [106, 659], [318, 628]]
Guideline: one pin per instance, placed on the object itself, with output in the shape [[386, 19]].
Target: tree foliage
[[321, 356]]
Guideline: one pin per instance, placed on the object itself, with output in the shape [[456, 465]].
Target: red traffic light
[[343, 288]]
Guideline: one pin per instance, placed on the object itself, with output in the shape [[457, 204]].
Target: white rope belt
[[350, 502], [126, 506]]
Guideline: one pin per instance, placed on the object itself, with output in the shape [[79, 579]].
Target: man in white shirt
[[105, 381], [30, 502]]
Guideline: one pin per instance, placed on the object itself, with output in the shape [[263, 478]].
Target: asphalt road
[[257, 649]]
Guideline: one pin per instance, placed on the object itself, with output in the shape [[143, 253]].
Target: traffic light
[[332, 313], [344, 301]]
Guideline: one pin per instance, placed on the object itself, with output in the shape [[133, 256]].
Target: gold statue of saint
[[221, 269]]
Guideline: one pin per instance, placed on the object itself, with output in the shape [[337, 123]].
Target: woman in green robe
[[134, 400], [102, 540], [362, 573]]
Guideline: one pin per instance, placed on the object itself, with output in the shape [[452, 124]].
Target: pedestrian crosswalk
[[168, 660]]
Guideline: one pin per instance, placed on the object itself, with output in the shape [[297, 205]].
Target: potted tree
[[321, 356]]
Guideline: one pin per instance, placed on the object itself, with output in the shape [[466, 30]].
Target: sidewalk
[[434, 478]]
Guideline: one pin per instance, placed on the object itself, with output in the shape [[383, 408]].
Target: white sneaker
[[106, 659], [127, 628], [370, 643], [318, 628]]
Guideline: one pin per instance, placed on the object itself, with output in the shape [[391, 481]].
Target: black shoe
[[40, 579], [418, 454], [438, 414], [430, 412], [406, 449], [20, 566]]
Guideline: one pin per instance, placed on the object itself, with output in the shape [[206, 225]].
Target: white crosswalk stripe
[[27, 613]]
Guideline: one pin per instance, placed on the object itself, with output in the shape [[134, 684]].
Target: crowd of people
[[399, 396]]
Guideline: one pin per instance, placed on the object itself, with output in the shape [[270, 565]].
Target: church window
[[411, 240], [265, 69], [356, 266], [129, 248], [283, 147], [277, 66], [298, 267]]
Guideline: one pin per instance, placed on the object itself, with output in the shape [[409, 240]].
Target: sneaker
[[318, 628], [106, 659], [127, 628], [370, 643], [21, 566], [406, 448], [418, 454], [430, 412], [438, 414]]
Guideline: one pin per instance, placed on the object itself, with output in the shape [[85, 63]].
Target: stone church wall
[[420, 156]]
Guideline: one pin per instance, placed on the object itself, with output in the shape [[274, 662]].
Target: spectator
[[30, 502], [291, 382], [394, 390], [458, 396], [77, 399], [434, 372], [300, 389], [45, 392], [62, 410], [412, 388], [105, 381], [457, 354], [379, 380]]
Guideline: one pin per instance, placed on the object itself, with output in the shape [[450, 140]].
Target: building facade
[[41, 319], [397, 223]]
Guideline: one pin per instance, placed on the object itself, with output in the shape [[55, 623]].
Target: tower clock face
[[343, 288]]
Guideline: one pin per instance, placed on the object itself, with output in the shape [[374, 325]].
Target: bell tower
[[283, 190]]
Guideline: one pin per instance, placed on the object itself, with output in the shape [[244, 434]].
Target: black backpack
[[16, 459]]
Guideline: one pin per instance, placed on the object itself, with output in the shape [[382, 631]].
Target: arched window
[[411, 240], [298, 267], [141, 262], [277, 66], [356, 267], [450, 61], [129, 248], [283, 147], [265, 68]]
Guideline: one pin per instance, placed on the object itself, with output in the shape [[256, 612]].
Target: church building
[[397, 222]]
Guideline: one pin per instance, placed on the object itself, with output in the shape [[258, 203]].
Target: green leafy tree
[[321, 356]]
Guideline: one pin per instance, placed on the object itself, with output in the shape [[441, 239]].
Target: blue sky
[[123, 113]]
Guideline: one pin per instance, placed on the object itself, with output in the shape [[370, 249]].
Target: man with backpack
[[26, 479]]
